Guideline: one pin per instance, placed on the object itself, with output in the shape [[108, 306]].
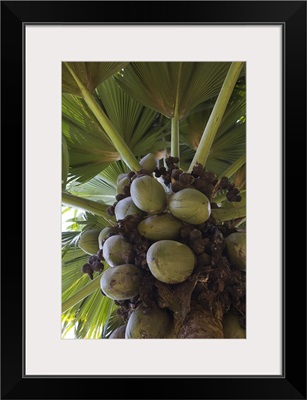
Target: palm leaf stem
[[227, 214], [175, 152], [87, 205], [126, 154], [234, 167], [81, 294], [216, 115], [175, 136]]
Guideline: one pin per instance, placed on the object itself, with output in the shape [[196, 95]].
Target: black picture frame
[[292, 16]]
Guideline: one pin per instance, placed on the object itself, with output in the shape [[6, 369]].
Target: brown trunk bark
[[201, 323]]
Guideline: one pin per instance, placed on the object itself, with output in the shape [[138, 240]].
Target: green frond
[[90, 149], [227, 149], [143, 103], [91, 74], [88, 317], [132, 120], [192, 128], [157, 85], [96, 189], [110, 174], [92, 221], [69, 241]]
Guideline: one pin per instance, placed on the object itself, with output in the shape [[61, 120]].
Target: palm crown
[[113, 114]]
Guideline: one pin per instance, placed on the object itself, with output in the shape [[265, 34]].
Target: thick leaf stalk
[[126, 154], [175, 152], [234, 167], [228, 214], [175, 149], [87, 205], [81, 294], [216, 116]]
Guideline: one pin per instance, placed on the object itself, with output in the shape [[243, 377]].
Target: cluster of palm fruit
[[172, 271]]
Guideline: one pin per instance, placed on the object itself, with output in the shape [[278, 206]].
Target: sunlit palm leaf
[[135, 122], [90, 149], [229, 142], [224, 151], [91, 221], [69, 241], [113, 322], [90, 318], [158, 85], [96, 170], [227, 149], [91, 75], [192, 128], [92, 313], [95, 189], [110, 174], [72, 276]]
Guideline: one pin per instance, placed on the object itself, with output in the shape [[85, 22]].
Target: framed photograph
[[215, 92]]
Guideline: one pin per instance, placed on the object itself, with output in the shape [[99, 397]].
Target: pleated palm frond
[[70, 239], [91, 75], [101, 188], [139, 126], [112, 323], [95, 189], [162, 85], [139, 101], [90, 149], [92, 309], [88, 319], [229, 143], [232, 144], [192, 128], [89, 315]]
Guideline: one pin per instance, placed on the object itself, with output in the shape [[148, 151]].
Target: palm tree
[[114, 114]]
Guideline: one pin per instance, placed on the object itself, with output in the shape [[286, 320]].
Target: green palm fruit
[[149, 323], [236, 249], [126, 207], [148, 194], [120, 177], [170, 261], [88, 241], [116, 251], [232, 328], [190, 205], [118, 333], [103, 234], [149, 162], [160, 227], [121, 184], [121, 282]]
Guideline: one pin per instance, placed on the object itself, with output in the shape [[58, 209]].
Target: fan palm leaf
[[132, 120], [90, 149], [89, 317], [91, 75], [162, 85], [192, 128], [141, 102]]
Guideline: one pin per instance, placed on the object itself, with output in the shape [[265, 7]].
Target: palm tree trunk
[[201, 323]]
